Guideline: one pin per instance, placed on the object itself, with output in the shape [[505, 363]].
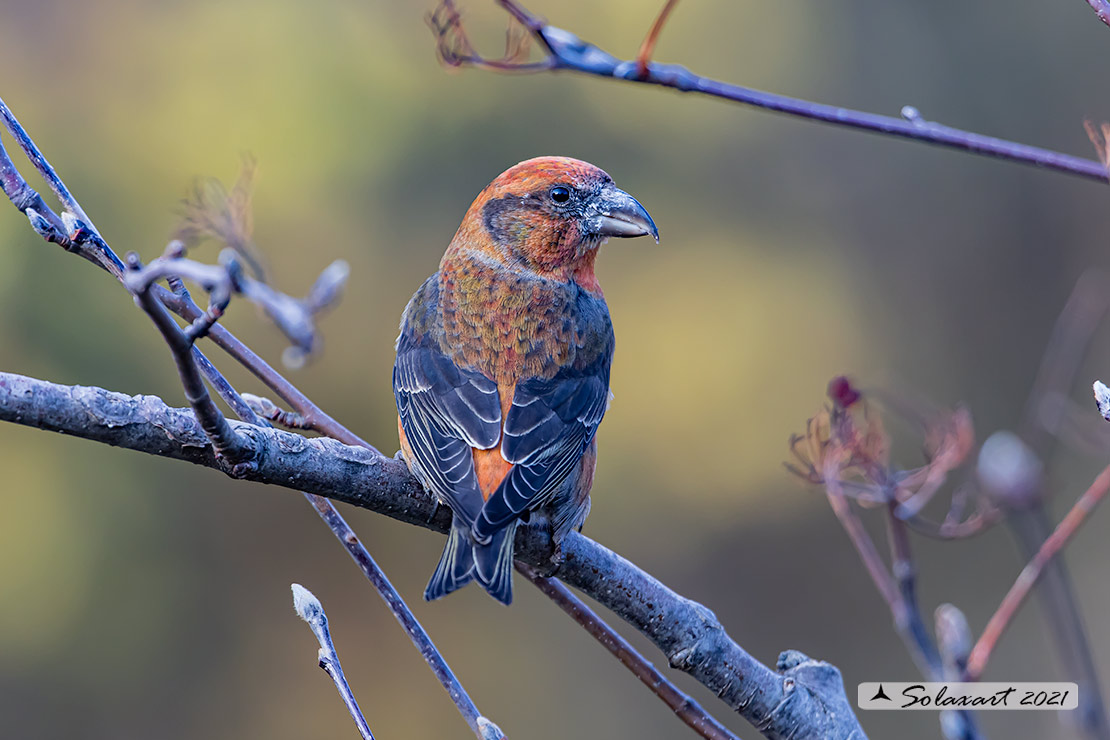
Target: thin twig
[[309, 608], [910, 623], [271, 412], [1013, 600], [108, 259], [907, 615], [687, 709], [227, 443], [1102, 9], [647, 48], [485, 730], [568, 52], [868, 553], [315, 417]]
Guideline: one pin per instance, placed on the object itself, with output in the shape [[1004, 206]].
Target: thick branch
[[802, 699]]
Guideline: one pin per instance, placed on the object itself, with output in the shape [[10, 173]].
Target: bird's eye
[[560, 194]]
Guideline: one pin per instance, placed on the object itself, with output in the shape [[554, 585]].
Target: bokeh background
[[145, 598]]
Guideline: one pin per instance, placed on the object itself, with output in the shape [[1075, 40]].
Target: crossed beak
[[616, 213]]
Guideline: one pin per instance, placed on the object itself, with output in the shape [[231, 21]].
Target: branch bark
[[800, 698]]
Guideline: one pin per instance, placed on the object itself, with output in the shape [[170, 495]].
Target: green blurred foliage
[[145, 598]]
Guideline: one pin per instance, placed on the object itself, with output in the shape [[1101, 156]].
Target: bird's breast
[[506, 324]]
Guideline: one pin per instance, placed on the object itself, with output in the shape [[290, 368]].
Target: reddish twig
[[688, 710], [1013, 600], [865, 546], [568, 52], [647, 48]]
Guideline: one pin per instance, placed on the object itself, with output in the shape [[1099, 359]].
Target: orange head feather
[[548, 215]]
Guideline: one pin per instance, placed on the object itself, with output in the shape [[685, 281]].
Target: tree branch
[[565, 51], [803, 698]]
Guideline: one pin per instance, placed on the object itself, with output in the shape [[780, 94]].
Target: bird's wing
[[547, 429], [445, 411]]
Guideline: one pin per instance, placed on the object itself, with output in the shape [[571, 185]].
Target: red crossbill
[[502, 370]]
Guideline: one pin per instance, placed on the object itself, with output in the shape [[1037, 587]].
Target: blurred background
[[147, 598]]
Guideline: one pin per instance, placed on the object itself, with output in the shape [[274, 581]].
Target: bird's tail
[[493, 564], [456, 564], [464, 560]]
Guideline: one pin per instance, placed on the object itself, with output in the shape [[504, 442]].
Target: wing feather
[[446, 411], [548, 427]]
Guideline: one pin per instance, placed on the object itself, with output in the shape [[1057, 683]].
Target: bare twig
[[226, 442], [907, 615], [1102, 9], [309, 608], [315, 417], [865, 547], [293, 316], [271, 412], [1013, 600], [84, 232], [565, 51], [482, 727], [688, 710]]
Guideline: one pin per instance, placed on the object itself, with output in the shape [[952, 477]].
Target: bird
[[502, 370]]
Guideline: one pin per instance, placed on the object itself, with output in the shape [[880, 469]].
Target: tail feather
[[456, 565], [493, 564]]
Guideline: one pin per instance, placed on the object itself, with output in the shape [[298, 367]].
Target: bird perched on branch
[[502, 370]]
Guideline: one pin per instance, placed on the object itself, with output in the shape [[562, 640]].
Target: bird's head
[[550, 214]]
